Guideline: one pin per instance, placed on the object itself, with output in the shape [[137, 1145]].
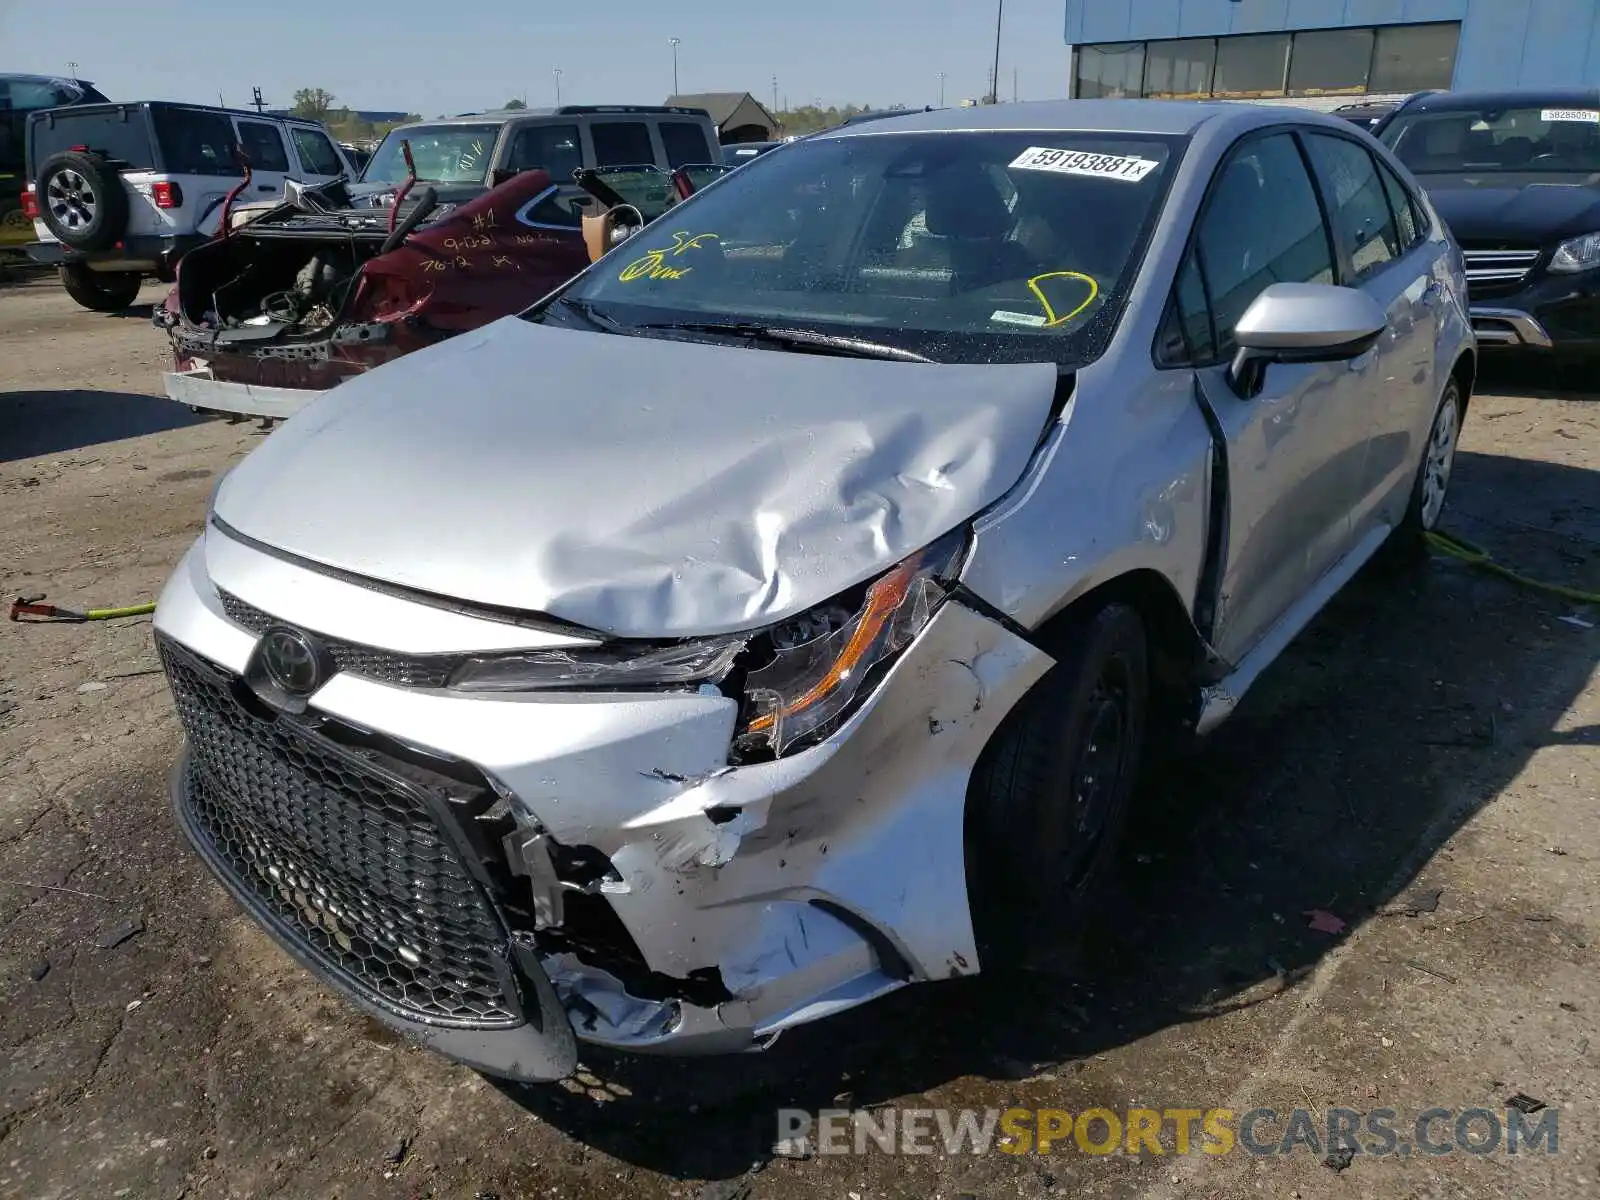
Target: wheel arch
[[1465, 372]]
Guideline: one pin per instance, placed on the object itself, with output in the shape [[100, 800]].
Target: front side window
[[973, 247], [1357, 205], [1537, 139], [263, 146], [1186, 335], [194, 142], [551, 148], [443, 154], [316, 152], [1262, 226], [621, 143]]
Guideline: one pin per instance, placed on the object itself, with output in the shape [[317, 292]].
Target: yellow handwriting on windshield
[[1051, 319], [654, 263]]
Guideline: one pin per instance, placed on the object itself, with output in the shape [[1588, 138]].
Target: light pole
[[999, 19], [941, 89], [72, 70], [674, 42], [557, 74]]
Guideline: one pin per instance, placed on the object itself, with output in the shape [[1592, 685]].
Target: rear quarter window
[[685, 142]]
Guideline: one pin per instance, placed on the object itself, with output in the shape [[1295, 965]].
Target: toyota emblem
[[291, 660]]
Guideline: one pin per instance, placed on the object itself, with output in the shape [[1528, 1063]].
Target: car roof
[[1170, 117], [87, 110], [1567, 97], [501, 115]]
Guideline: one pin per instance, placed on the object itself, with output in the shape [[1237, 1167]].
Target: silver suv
[[119, 192], [780, 613]]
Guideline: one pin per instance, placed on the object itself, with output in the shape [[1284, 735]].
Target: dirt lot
[[1433, 733]]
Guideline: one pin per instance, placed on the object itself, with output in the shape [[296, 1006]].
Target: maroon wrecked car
[[456, 224]]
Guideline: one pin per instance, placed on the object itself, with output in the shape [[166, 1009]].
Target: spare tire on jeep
[[81, 199]]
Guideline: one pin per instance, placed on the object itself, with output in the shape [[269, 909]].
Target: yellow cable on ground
[[1476, 556]]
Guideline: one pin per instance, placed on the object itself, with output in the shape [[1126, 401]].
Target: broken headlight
[[804, 674], [609, 666]]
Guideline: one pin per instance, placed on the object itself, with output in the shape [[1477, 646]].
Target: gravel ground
[[1422, 765]]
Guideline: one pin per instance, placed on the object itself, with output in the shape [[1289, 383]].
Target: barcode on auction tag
[[1082, 162]]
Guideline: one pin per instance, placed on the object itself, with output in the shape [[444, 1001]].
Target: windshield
[[1521, 140], [962, 247], [443, 154]]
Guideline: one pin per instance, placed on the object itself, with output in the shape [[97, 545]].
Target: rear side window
[[194, 142], [316, 152], [621, 144], [1357, 206], [1408, 220], [263, 146], [121, 134], [684, 142], [552, 148], [1262, 226]]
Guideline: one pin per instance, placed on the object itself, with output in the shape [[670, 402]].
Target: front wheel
[[1050, 796], [101, 291]]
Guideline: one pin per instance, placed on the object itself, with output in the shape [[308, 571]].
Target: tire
[[101, 291], [1044, 818], [81, 200], [1431, 488]]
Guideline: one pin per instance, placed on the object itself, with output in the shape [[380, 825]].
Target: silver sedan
[[779, 614]]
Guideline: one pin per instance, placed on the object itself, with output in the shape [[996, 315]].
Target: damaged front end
[[329, 285]]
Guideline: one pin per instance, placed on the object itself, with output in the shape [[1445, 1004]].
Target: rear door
[[320, 159], [1397, 271], [621, 142], [1292, 450], [197, 151], [268, 156]]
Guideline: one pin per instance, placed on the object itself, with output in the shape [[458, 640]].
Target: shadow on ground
[[51, 422], [1330, 789]]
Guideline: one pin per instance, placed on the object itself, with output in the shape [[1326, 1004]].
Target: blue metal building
[[1327, 52]]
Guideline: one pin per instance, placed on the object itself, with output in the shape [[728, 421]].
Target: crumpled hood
[[1523, 213], [636, 486]]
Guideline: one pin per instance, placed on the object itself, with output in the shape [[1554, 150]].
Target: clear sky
[[448, 56]]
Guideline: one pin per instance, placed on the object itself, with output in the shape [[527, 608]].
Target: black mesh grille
[[343, 852], [383, 666]]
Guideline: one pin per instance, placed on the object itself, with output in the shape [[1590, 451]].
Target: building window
[[1252, 65], [1314, 62], [1115, 69], [1415, 58], [1181, 69], [1330, 62]]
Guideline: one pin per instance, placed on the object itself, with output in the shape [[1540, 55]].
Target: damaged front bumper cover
[[748, 900], [199, 389]]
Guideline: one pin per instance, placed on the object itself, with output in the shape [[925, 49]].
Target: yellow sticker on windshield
[[1051, 317], [654, 263]]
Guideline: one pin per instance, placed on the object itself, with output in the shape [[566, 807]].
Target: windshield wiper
[[589, 313], [809, 338]]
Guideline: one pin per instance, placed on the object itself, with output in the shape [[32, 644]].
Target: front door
[[1294, 450]]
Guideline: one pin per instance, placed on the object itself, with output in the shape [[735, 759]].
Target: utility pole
[[674, 42], [775, 108], [941, 88], [557, 74], [999, 21], [255, 99], [1013, 85]]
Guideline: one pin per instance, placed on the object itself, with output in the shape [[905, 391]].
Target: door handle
[[266, 187]]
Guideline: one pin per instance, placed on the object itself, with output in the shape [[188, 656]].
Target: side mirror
[[1302, 322], [503, 175]]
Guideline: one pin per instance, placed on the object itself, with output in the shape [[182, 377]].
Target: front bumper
[[1559, 313], [732, 903], [199, 388]]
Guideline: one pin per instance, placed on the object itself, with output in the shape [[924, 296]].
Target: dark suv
[[1516, 177]]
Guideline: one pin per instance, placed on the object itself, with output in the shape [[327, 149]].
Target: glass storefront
[[1317, 62]]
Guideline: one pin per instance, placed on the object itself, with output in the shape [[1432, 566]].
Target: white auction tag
[[1031, 320], [1585, 116], [1084, 162]]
